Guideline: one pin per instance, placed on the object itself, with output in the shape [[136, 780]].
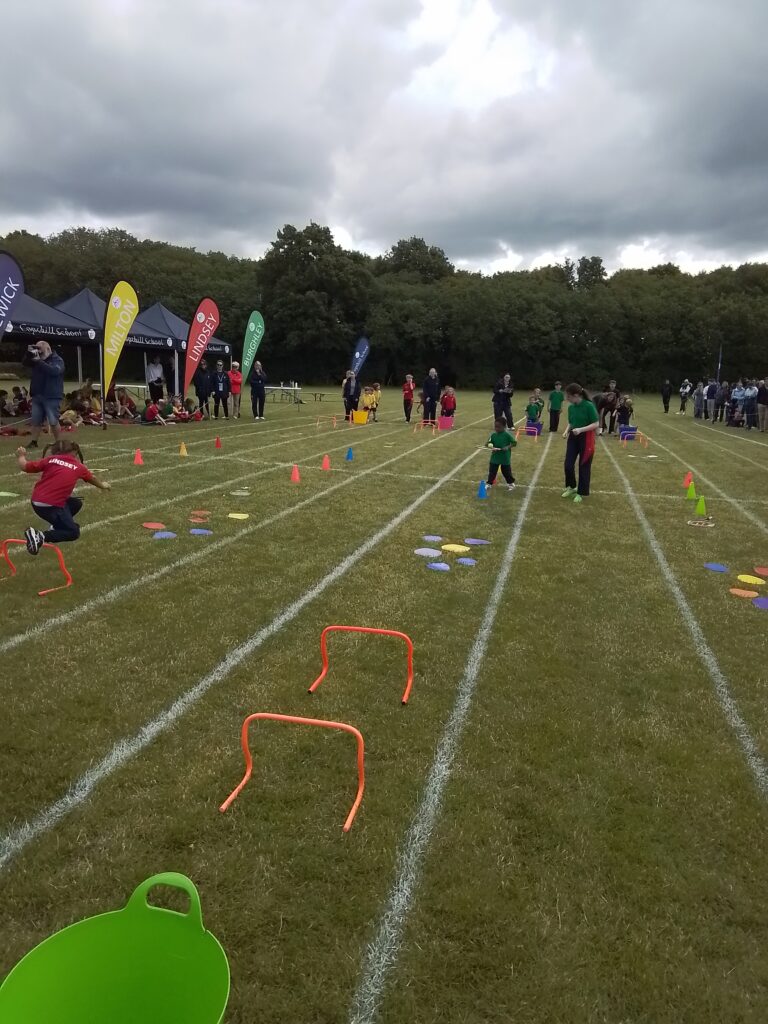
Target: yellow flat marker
[[754, 580], [743, 593], [457, 549], [238, 515]]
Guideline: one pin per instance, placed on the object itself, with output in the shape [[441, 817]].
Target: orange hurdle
[[364, 629], [62, 565], [301, 721], [527, 432], [321, 419], [426, 423]]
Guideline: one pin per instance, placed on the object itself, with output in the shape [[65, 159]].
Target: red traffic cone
[[326, 463], [218, 443], [688, 479], [295, 477], [137, 459]]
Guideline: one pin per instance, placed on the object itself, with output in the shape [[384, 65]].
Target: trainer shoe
[[35, 540], [568, 492], [511, 487], [578, 499]]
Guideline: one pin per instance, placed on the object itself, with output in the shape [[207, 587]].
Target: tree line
[[571, 320]]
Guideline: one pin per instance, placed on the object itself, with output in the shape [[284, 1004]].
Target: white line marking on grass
[[188, 465], [722, 448], [268, 467], [713, 487], [16, 839], [757, 765], [381, 955], [110, 596]]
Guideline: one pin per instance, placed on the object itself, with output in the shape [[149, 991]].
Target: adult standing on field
[[502, 399], [350, 393], [155, 378], [556, 399], [762, 406], [666, 395], [583, 421], [430, 393], [201, 382], [258, 390], [46, 388], [236, 384]]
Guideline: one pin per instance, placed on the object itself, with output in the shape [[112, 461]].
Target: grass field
[[565, 824]]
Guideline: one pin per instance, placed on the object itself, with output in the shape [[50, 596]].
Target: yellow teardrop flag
[[121, 311]]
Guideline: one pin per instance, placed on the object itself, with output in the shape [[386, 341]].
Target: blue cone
[[482, 491], [350, 456]]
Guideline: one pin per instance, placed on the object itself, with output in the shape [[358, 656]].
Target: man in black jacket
[[46, 388], [666, 395], [201, 382], [221, 386], [430, 392]]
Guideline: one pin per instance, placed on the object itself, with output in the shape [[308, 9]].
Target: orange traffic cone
[[326, 463], [688, 479], [218, 443], [295, 478], [137, 459]]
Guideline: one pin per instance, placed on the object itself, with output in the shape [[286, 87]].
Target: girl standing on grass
[[583, 421], [52, 494], [501, 442], [409, 389]]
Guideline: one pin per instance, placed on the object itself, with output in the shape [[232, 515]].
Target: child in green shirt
[[556, 399], [583, 422], [501, 442], [532, 411]]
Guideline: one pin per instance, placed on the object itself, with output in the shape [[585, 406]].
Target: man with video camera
[[46, 388]]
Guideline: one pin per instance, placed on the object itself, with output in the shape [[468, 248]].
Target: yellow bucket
[[359, 417]]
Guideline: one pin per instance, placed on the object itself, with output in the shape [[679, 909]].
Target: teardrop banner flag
[[121, 311], [11, 287], [201, 330], [362, 348], [254, 333]]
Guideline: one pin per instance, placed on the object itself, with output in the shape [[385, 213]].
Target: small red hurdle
[[264, 715], [429, 424], [322, 419], [62, 565], [364, 629]]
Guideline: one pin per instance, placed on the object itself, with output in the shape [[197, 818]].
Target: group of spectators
[[743, 404]]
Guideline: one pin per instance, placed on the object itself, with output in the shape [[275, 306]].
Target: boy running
[[502, 443], [52, 494]]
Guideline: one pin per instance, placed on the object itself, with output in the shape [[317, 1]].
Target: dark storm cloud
[[653, 126], [216, 124]]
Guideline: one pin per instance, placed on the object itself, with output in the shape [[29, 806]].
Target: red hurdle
[[364, 629], [62, 565], [264, 715]]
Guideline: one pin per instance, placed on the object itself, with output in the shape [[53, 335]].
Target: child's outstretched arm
[[101, 484], [24, 464]]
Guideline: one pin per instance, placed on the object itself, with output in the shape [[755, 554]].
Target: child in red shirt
[[448, 402], [408, 391], [52, 494]]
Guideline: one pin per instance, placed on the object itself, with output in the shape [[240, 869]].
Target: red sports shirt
[[408, 390], [448, 402], [60, 474], [236, 381]]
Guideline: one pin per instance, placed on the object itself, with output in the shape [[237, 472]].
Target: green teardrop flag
[[254, 333]]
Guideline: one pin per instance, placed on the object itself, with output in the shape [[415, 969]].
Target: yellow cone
[[691, 495], [183, 450], [701, 507]]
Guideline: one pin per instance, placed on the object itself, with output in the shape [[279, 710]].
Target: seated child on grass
[[151, 416], [126, 406]]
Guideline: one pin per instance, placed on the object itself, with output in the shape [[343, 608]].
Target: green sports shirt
[[556, 400], [583, 414], [502, 440]]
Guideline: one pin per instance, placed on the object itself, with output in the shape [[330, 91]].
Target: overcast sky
[[509, 132]]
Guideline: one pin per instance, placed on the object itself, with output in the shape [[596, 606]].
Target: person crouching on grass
[[502, 443], [52, 494], [583, 421]]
